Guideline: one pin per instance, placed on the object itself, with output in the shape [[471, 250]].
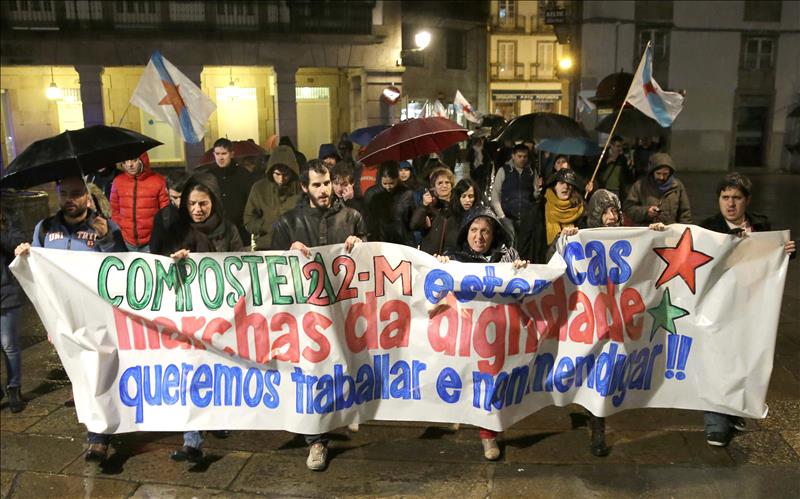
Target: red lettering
[[395, 334], [368, 311], [557, 301], [384, 270], [632, 305], [603, 304], [444, 311], [313, 323], [581, 328], [217, 326], [290, 340], [244, 322], [496, 349]]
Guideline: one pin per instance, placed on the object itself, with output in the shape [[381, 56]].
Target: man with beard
[[272, 196], [318, 219], [658, 197], [75, 227]]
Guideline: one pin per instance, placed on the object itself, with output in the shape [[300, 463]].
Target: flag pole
[[619, 113], [124, 114]]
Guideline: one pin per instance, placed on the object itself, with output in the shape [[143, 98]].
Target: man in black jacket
[[235, 183], [733, 193], [319, 219]]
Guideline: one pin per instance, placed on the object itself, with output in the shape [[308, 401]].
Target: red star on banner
[[682, 260], [649, 89], [173, 97]]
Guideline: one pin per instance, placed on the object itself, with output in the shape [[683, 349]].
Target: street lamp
[[53, 92], [565, 63], [422, 39]]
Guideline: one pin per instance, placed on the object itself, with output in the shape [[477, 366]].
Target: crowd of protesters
[[512, 205]]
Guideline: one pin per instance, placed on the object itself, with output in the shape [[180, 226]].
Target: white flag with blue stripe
[[169, 95], [647, 96]]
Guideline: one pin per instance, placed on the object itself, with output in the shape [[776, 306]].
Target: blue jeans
[[145, 248], [193, 439], [9, 334], [97, 438], [319, 437], [717, 423]]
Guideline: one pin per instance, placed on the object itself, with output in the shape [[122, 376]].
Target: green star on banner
[[665, 314]]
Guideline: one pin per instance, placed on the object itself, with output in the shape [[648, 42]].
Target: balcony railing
[[267, 16], [512, 72], [539, 71], [516, 23]]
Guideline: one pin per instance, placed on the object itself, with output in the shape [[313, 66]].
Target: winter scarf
[[559, 213]]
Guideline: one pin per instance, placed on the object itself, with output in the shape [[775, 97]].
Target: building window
[[456, 49], [507, 12], [659, 39], [507, 59], [545, 60], [767, 11], [758, 53], [411, 56]]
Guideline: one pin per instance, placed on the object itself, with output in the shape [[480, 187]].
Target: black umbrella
[[632, 123], [74, 152], [538, 126]]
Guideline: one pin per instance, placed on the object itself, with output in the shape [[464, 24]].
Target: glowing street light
[[53, 92], [422, 39], [565, 63]]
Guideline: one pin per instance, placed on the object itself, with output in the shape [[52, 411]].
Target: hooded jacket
[[673, 202], [598, 204], [268, 201], [316, 227], [135, 200], [216, 234], [500, 251]]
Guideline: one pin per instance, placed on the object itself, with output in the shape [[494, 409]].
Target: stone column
[[194, 152], [91, 85], [286, 114]]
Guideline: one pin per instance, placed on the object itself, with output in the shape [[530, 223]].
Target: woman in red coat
[[136, 196]]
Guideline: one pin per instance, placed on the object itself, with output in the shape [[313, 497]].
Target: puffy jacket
[[315, 227], [674, 202], [135, 200], [268, 201]]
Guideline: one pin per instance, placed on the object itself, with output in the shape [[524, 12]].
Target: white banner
[[629, 318]]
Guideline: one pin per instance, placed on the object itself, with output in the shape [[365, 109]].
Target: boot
[[15, 402], [598, 426]]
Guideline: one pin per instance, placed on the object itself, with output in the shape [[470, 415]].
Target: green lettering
[[233, 261], [170, 279], [188, 276], [134, 301], [276, 280], [252, 262], [297, 280], [102, 279], [207, 264]]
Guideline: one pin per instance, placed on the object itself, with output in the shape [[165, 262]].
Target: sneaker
[[718, 438], [739, 424], [317, 457], [186, 453], [353, 427], [15, 401], [97, 452], [490, 449]]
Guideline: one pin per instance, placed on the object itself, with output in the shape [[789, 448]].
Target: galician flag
[[461, 103], [647, 96], [169, 95]]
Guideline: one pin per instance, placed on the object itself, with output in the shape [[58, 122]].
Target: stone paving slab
[[22, 452], [158, 491], [270, 474], [44, 485]]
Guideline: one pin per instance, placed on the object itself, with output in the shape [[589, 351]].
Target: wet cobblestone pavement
[[655, 452]]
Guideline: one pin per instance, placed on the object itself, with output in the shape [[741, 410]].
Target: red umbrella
[[241, 149], [412, 138]]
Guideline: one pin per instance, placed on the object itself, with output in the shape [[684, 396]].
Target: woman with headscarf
[[483, 239], [201, 228]]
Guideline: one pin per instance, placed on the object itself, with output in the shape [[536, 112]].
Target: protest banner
[[628, 318]]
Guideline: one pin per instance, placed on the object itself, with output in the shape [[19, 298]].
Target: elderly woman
[[201, 227], [433, 216], [483, 239]]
